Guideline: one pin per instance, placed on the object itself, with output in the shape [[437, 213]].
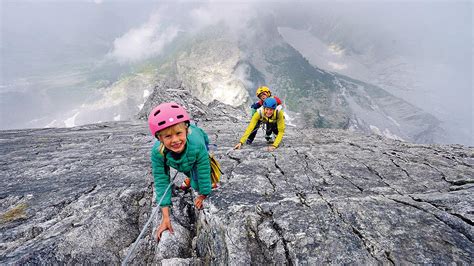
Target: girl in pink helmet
[[180, 145]]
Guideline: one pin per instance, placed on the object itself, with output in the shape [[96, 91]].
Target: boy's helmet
[[263, 89], [166, 115], [270, 103]]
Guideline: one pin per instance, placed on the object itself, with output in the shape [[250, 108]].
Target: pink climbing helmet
[[166, 115]]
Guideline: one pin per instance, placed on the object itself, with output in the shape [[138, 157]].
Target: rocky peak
[[208, 66], [82, 195]]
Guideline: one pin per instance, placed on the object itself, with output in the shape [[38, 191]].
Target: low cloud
[[164, 25], [143, 42]]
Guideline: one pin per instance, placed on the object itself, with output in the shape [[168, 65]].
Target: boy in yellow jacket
[[274, 119]]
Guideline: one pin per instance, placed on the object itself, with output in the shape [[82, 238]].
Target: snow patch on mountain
[[393, 73], [71, 121], [322, 55]]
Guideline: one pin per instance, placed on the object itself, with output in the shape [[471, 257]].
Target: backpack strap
[[279, 107], [164, 152]]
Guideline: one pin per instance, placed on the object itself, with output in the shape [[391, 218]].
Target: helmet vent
[[166, 115]]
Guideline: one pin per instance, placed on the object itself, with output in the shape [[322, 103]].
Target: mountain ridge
[[82, 195], [323, 99]]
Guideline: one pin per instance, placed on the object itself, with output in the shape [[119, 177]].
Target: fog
[[420, 51], [54, 52]]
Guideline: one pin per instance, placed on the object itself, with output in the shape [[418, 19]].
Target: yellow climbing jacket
[[278, 117]]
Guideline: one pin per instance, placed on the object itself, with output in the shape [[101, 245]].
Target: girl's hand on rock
[[198, 202], [165, 224]]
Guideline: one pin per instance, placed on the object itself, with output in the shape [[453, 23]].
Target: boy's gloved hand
[[255, 105], [198, 202]]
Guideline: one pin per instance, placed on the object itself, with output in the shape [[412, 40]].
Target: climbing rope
[[261, 125], [130, 252]]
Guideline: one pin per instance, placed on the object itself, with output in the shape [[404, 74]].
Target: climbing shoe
[[248, 142], [269, 139], [186, 184]]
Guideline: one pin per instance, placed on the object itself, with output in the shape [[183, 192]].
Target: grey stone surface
[[82, 195], [81, 188], [331, 196]]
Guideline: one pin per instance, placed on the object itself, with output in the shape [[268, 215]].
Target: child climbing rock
[[273, 118], [180, 145]]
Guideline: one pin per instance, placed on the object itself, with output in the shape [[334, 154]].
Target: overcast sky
[[40, 37]]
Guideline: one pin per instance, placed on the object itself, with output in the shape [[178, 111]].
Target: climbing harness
[[130, 252], [261, 126], [264, 126]]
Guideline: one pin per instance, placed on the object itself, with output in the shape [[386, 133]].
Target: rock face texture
[[73, 195], [82, 195], [333, 197]]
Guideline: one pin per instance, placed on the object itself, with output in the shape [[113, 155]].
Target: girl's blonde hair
[[172, 130]]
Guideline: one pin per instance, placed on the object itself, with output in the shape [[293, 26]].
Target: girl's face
[[268, 112], [263, 96], [174, 137]]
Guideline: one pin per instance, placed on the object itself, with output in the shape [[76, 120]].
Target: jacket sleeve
[[204, 173], [162, 180], [250, 127], [256, 105], [281, 128]]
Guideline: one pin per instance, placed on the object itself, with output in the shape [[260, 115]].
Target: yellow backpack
[[216, 171]]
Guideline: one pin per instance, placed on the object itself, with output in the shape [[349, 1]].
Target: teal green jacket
[[194, 154]]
